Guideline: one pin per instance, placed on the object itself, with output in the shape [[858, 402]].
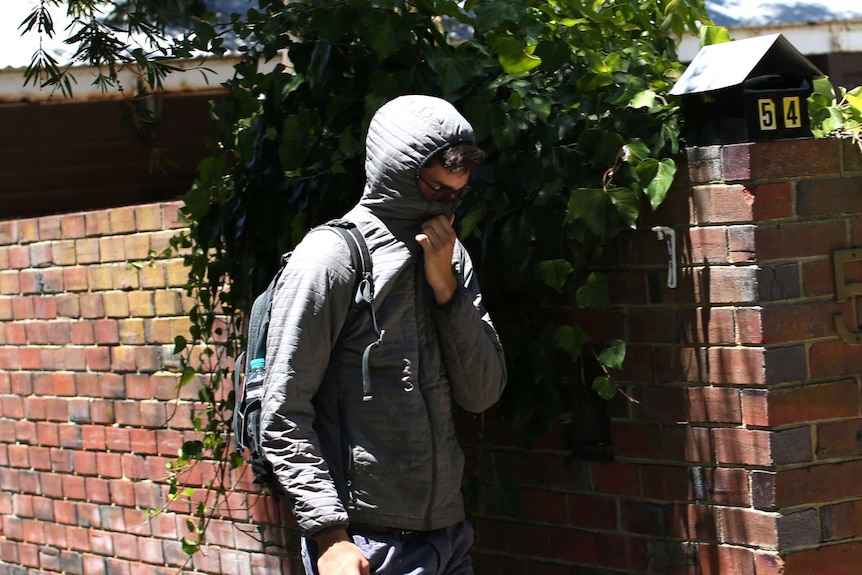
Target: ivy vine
[[567, 97]]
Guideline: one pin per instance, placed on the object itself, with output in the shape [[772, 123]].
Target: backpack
[[248, 383]]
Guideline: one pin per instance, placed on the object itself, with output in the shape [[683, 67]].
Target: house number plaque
[[845, 291]]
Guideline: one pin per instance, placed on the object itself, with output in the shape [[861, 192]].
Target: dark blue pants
[[440, 552]]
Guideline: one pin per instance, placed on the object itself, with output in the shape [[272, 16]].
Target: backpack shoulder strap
[[364, 293], [360, 256]]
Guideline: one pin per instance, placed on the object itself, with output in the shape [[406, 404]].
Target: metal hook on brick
[[669, 235]]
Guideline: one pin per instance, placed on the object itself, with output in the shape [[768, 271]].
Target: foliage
[[833, 117], [568, 97]]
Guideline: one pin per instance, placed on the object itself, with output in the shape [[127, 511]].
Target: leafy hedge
[[568, 97]]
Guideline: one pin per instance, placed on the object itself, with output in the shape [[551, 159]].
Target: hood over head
[[404, 133]]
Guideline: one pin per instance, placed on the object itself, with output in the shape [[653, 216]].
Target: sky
[[16, 51]]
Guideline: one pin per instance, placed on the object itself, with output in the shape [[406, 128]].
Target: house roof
[[812, 26], [744, 13], [16, 52]]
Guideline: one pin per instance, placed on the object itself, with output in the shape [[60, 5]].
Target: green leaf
[[554, 273], [514, 58], [657, 178], [489, 15], [627, 204], [469, 222], [539, 105], [823, 86], [570, 339], [635, 151], [189, 546], [612, 356], [605, 386], [594, 292], [591, 206], [644, 99], [191, 449], [188, 375], [180, 344], [710, 35], [385, 34], [601, 146], [454, 72]]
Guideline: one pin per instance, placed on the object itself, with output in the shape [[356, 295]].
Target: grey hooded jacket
[[393, 461]]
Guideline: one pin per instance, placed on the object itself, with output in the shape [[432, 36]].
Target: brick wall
[[739, 453], [89, 413]]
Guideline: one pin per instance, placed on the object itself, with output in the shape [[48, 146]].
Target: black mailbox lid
[[730, 64]]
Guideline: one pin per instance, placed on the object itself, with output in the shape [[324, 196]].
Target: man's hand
[[338, 555], [438, 242]]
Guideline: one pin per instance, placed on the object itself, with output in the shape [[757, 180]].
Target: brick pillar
[[746, 438]]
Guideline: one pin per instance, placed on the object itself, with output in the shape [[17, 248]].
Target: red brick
[[615, 478], [741, 245], [122, 220], [98, 358], [41, 254], [78, 538], [101, 542], [122, 493], [84, 463], [732, 284], [835, 358], [666, 483], [835, 400], [739, 365], [634, 439], [842, 520], [818, 484], [749, 325], [709, 325], [744, 446], [798, 322], [109, 465], [91, 306], [839, 439], [94, 565], [721, 203], [75, 278], [725, 559], [749, 527], [841, 559], [48, 434], [70, 436], [74, 489], [22, 308], [106, 331], [81, 333], [714, 404], [620, 552], [709, 244], [19, 257], [123, 359], [795, 240], [8, 232]]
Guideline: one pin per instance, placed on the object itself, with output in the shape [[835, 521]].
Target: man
[[375, 483]]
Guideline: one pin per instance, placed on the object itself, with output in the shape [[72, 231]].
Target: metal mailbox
[[748, 90]]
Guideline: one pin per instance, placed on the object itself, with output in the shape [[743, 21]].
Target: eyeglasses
[[442, 192]]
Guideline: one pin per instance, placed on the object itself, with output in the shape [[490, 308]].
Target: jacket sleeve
[[469, 343], [309, 308]]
